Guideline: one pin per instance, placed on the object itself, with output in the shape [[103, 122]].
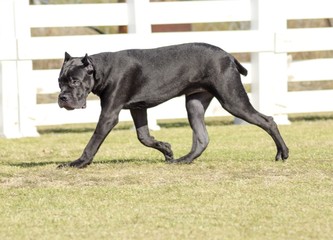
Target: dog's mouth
[[70, 107]]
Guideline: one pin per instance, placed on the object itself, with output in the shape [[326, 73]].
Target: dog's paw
[[282, 155], [168, 158], [168, 155], [166, 150], [182, 160], [79, 163], [75, 164]]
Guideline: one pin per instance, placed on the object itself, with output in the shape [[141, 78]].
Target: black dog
[[140, 79]]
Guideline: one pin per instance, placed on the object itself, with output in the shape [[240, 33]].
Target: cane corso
[[139, 79]]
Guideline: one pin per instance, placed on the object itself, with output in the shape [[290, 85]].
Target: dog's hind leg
[[265, 122], [196, 105], [234, 99], [141, 124]]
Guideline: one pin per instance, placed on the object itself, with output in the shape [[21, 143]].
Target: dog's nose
[[63, 98]]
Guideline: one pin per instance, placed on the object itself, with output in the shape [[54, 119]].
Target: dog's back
[[156, 75]]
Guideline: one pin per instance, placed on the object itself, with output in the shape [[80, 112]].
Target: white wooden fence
[[268, 41]]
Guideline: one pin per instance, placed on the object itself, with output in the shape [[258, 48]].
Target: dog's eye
[[75, 82]]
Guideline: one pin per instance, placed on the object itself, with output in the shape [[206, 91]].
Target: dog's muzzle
[[65, 102]]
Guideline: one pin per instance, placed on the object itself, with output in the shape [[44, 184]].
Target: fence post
[[138, 21], [26, 86], [9, 115], [140, 24], [281, 67], [269, 69]]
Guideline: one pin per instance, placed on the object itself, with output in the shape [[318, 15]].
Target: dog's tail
[[242, 70]]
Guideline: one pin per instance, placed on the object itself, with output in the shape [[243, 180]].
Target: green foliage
[[235, 190]]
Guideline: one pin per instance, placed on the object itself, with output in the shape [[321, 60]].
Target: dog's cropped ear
[[85, 60], [87, 64], [67, 56]]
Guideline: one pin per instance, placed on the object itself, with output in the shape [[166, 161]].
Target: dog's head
[[76, 81]]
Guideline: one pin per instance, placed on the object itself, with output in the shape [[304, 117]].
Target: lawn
[[235, 190]]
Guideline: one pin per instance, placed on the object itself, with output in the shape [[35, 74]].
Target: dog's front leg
[[104, 126]]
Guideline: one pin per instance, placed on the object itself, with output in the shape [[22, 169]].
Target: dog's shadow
[[127, 160], [104, 162], [30, 164]]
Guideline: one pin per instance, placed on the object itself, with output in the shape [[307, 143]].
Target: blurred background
[[287, 46]]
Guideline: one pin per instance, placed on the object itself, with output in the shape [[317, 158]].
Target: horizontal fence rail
[[268, 40]]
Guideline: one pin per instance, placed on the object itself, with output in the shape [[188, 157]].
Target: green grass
[[235, 190]]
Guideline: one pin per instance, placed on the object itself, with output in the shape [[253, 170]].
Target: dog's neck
[[101, 74]]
